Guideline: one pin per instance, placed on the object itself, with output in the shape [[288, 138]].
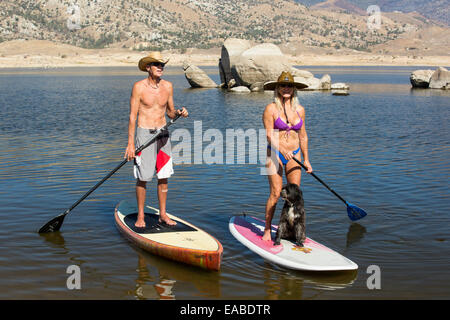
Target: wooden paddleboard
[[183, 242], [313, 256]]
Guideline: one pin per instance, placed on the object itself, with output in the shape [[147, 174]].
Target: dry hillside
[[182, 24]]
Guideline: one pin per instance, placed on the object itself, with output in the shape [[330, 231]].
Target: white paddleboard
[[313, 256]]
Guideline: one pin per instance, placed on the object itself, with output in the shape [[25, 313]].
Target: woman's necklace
[[285, 114], [287, 120]]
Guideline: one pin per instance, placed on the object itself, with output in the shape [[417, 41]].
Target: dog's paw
[[276, 243], [299, 244]]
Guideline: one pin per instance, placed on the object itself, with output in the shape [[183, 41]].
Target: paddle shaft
[[320, 180], [145, 145]]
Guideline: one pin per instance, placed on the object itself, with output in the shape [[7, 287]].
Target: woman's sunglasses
[[286, 85]]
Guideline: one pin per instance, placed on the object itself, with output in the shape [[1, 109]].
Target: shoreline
[[131, 59], [48, 54]]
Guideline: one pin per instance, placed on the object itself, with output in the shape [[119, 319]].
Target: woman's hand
[[288, 155], [308, 165]]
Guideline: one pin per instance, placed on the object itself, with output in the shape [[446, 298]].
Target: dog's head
[[292, 193]]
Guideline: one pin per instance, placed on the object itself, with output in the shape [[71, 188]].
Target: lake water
[[385, 148]]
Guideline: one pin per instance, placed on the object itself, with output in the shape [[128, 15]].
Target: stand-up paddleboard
[[183, 242], [313, 256]]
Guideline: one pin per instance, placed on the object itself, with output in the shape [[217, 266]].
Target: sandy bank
[[46, 54]]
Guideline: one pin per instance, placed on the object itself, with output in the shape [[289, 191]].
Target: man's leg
[[140, 198], [162, 197]]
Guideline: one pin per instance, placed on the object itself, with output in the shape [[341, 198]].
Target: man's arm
[[134, 108], [171, 112]]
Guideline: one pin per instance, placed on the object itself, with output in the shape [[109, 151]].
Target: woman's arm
[[303, 137], [271, 134]]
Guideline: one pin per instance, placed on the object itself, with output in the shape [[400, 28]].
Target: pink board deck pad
[[313, 256]]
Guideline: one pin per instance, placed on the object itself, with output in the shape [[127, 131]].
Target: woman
[[284, 121]]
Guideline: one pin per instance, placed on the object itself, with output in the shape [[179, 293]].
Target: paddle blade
[[355, 213], [53, 225]]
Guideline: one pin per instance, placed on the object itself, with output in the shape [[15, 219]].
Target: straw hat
[[284, 78], [154, 56]]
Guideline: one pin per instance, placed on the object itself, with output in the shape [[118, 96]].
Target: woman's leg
[[275, 184], [294, 171]]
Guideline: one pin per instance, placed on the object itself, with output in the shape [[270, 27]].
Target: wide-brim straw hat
[[284, 78], [154, 56]]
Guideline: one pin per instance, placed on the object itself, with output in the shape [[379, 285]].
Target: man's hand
[[183, 112], [129, 152]]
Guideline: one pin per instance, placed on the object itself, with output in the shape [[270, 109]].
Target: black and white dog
[[292, 219]]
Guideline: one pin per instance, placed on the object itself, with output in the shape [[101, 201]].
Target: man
[[150, 100]]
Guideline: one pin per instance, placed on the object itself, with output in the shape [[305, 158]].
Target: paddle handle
[[320, 180], [145, 145]]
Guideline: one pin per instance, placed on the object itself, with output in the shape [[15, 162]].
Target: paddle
[[56, 223], [354, 213]]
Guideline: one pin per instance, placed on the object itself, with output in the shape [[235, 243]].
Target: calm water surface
[[384, 148]]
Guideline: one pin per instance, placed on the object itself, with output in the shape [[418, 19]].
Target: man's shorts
[[157, 157]]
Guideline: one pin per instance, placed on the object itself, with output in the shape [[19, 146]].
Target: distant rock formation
[[240, 89], [440, 79], [196, 77], [260, 63], [244, 68], [421, 78], [340, 86], [231, 49]]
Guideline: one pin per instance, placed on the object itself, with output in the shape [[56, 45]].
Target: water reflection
[[159, 278], [355, 234], [55, 239], [422, 92], [147, 289], [284, 284]]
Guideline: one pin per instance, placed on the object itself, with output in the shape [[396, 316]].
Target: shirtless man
[[150, 100]]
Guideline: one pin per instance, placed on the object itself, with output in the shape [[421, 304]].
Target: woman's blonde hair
[[277, 100]]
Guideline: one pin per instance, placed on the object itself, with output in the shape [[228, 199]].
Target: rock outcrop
[[440, 79], [197, 78], [231, 49], [261, 63], [421, 78]]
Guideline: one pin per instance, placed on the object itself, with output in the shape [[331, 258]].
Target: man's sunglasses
[[158, 64]]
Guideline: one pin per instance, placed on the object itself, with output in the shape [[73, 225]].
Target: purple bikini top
[[281, 125]]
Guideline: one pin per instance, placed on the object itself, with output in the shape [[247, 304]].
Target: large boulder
[[314, 83], [440, 79], [257, 87], [231, 49], [301, 73], [261, 63], [421, 78], [196, 77], [325, 82], [240, 89]]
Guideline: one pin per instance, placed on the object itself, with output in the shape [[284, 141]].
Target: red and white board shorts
[[156, 157]]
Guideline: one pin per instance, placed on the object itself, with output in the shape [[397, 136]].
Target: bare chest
[[154, 98]]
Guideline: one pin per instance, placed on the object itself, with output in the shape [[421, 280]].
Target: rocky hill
[[182, 24], [438, 10]]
